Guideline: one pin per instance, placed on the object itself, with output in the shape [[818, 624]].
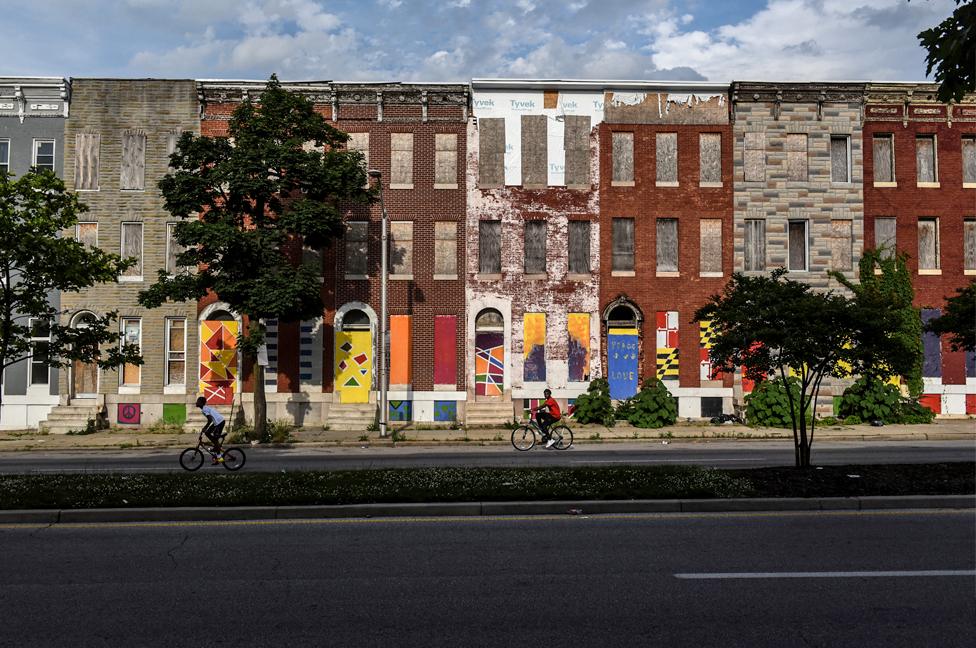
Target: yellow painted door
[[353, 366]]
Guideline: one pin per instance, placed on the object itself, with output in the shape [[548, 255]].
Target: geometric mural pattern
[[667, 345], [353, 365], [489, 363], [706, 339], [401, 410], [445, 410], [218, 361]]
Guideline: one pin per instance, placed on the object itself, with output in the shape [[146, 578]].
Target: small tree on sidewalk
[[36, 261], [247, 199]]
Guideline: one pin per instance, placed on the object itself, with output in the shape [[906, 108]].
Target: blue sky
[[460, 39]]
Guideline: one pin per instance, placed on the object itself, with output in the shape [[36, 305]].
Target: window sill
[[885, 184], [174, 389], [928, 185], [356, 277], [536, 276], [621, 183], [401, 186], [711, 274], [969, 185], [86, 190], [445, 277], [130, 279], [623, 273], [132, 191], [667, 273], [666, 183], [579, 276], [970, 271], [445, 186], [401, 277], [129, 389], [929, 271], [710, 185], [489, 276]]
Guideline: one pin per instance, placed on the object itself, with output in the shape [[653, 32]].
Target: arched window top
[[489, 320], [355, 320], [622, 313], [221, 316], [84, 319]]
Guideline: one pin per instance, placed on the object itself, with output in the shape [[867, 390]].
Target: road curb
[[479, 509]]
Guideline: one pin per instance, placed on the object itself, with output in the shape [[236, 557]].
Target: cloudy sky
[[446, 40]]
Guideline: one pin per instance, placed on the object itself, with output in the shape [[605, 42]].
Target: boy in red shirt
[[547, 418]]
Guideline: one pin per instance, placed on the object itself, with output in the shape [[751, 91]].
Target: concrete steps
[[69, 418], [478, 413], [195, 419], [351, 416]]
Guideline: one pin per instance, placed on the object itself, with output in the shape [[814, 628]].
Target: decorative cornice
[[915, 102], [792, 92], [24, 97]]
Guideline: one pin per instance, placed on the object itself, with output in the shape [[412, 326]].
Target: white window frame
[[806, 244], [934, 184], [142, 250], [937, 270], [6, 163], [962, 141], [31, 385], [78, 230], [850, 170], [170, 225], [894, 178], [169, 386], [124, 387], [54, 152]]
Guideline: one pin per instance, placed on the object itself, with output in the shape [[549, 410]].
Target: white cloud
[[460, 4], [391, 4]]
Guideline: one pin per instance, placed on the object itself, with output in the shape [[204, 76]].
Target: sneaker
[[550, 443]]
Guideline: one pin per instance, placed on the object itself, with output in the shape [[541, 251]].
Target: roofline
[[591, 84]]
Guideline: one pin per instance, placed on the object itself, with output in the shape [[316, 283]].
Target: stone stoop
[[68, 418], [351, 416], [477, 413]]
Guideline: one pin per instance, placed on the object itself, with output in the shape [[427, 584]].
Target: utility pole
[[384, 333]]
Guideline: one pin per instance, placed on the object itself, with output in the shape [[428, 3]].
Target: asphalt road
[[722, 454], [777, 579]]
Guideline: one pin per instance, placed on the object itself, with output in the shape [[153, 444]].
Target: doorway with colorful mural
[[623, 321], [218, 359], [489, 354], [354, 358]]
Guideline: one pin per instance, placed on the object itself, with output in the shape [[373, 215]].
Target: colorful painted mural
[[130, 413], [578, 327], [445, 350], [445, 410], [706, 336], [667, 345], [401, 410], [218, 360], [489, 363], [534, 347], [400, 349], [353, 365], [622, 362], [174, 413]]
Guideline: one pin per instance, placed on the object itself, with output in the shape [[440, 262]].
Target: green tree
[[248, 199], [36, 261], [951, 49], [958, 319]]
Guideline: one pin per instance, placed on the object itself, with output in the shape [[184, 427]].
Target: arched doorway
[[218, 356], [84, 375], [354, 356], [623, 322], [489, 354]]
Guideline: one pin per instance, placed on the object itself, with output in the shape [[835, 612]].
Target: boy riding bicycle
[[547, 418], [214, 427]]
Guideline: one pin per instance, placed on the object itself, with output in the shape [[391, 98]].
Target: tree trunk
[[260, 402]]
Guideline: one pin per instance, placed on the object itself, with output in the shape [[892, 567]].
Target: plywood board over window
[[667, 158], [445, 250], [357, 246], [884, 235], [401, 160], [132, 248], [490, 246], [841, 253], [884, 158], [925, 160], [710, 261], [579, 247], [401, 248], [710, 158], [969, 244], [667, 245], [87, 234], [445, 161], [133, 176], [535, 172], [969, 160], [622, 145], [491, 152], [623, 244], [754, 245], [86, 161], [928, 243], [577, 144], [359, 142], [535, 247]]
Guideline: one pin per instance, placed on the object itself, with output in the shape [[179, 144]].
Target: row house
[[920, 199], [32, 116]]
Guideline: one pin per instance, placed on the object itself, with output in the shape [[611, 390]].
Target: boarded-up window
[[754, 154], [86, 161], [796, 157], [798, 245], [710, 249], [445, 161], [579, 247], [534, 150], [173, 249], [400, 349], [969, 160], [490, 246], [969, 244], [841, 254], [133, 160], [132, 247], [535, 247], [445, 249], [623, 157], [359, 142], [175, 352], [710, 158], [928, 243], [884, 158], [840, 169], [172, 138], [667, 157], [401, 248], [401, 160], [576, 141], [754, 245], [667, 245], [445, 350], [623, 244], [925, 160], [132, 335], [87, 234], [884, 235], [491, 152], [357, 248]]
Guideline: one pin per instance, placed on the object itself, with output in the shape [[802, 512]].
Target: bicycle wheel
[[563, 436], [523, 438], [191, 459], [234, 459]]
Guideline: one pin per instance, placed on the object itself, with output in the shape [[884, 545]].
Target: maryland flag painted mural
[[218, 360], [667, 345]]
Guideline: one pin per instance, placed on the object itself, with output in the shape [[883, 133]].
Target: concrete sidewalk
[[117, 438]]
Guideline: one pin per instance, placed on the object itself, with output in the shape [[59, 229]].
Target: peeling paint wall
[[665, 108]]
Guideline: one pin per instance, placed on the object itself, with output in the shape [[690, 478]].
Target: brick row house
[[32, 115]]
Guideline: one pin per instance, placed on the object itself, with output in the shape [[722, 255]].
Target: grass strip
[[116, 490]]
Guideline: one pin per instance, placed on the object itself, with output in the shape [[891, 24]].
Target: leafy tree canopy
[[951, 49], [958, 319]]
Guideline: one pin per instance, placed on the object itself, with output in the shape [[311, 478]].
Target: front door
[[84, 379], [218, 360], [622, 361], [353, 365], [489, 363]]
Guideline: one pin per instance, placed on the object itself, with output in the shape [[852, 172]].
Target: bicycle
[[525, 436], [192, 458]]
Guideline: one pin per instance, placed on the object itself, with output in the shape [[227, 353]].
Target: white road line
[[637, 461], [831, 574]]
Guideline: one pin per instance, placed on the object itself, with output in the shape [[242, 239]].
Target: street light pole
[[384, 333]]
